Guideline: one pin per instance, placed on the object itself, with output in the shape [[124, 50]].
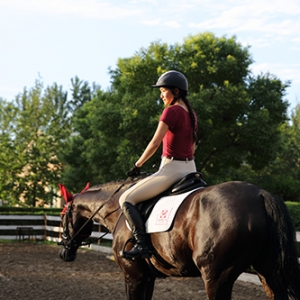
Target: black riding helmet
[[172, 79]]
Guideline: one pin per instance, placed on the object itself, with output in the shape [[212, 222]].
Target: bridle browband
[[67, 244]]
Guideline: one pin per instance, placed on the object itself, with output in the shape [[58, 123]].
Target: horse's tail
[[283, 245]]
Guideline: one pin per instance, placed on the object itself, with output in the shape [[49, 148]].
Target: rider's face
[[166, 95]]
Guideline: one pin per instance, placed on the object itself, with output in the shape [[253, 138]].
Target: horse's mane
[[105, 185]]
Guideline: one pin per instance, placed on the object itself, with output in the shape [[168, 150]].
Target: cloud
[[259, 42], [265, 16], [172, 24], [80, 8], [283, 71], [159, 22]]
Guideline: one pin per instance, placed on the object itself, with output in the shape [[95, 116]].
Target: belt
[[180, 159]]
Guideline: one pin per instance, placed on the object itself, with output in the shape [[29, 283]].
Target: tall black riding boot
[[136, 223]]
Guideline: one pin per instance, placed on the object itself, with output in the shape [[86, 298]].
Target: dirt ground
[[31, 271]]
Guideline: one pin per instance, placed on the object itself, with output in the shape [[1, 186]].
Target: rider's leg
[[169, 173]]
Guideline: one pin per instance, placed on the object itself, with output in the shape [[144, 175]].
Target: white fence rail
[[37, 228]]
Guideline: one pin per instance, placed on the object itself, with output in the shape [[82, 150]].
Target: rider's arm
[[153, 145]]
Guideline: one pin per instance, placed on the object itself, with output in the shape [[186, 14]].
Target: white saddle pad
[[164, 211]]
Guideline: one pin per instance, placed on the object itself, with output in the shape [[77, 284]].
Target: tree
[[38, 129], [9, 159], [240, 124], [78, 163], [239, 114], [282, 174]]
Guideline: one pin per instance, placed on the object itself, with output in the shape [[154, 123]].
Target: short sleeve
[[169, 117]]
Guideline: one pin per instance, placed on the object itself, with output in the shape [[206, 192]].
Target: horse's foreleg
[[150, 288], [139, 289]]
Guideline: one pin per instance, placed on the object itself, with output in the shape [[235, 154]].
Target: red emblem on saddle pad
[[163, 217]]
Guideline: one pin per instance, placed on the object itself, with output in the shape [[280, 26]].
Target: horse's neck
[[111, 210], [101, 203], [107, 200]]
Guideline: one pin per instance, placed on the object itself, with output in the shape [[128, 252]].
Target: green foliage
[[38, 138], [209, 61], [10, 210], [281, 175], [240, 116], [96, 136], [9, 159], [294, 209], [35, 132]]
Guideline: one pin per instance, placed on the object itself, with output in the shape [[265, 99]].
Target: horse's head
[[75, 227]]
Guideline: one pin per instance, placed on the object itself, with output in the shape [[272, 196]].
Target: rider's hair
[[183, 95]]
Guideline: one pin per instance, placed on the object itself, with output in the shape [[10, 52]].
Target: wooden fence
[[48, 228]]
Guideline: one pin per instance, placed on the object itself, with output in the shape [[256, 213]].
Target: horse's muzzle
[[67, 255]]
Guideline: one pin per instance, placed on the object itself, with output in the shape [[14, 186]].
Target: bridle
[[68, 241]]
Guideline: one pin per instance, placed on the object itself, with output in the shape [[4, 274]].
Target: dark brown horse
[[218, 232]]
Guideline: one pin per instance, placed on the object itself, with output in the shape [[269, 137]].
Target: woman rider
[[177, 129]]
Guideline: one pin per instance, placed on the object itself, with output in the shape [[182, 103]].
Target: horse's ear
[[86, 188], [64, 192]]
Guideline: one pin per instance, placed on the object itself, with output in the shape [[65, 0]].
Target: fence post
[[99, 230], [45, 228]]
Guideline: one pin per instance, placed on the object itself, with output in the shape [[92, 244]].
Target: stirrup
[[129, 256], [122, 253]]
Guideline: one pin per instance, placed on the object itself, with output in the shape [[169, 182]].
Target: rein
[[96, 239]]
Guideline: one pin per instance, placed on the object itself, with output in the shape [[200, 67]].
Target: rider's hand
[[134, 171]]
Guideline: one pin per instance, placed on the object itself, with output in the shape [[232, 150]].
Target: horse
[[218, 232]]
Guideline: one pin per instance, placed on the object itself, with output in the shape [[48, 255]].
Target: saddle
[[189, 182]]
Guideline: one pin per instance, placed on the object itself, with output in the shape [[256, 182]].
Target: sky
[[54, 41]]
